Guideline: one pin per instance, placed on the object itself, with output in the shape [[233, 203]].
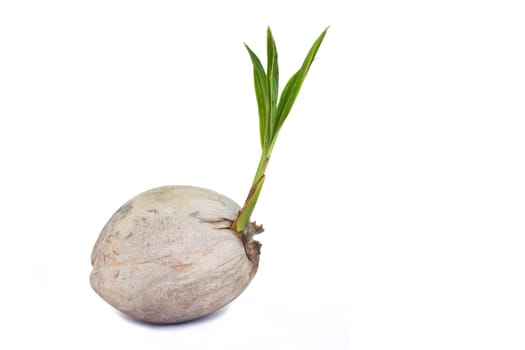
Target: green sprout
[[273, 111]]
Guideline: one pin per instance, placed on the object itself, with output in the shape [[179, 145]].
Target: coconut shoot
[[177, 253], [273, 111]]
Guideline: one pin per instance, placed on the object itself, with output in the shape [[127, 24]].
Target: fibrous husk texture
[[168, 255]]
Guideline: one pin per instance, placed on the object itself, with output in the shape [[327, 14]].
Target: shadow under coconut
[[201, 320]]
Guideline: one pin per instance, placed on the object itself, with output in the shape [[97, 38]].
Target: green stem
[[261, 168], [243, 218]]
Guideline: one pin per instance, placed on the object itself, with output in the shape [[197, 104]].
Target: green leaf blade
[[292, 88], [261, 93], [272, 80]]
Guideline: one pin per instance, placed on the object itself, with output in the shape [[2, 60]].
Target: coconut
[[169, 255]]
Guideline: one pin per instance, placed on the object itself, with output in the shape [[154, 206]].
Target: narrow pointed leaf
[[292, 88], [261, 93], [272, 80]]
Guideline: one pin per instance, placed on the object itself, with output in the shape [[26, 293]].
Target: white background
[[394, 202]]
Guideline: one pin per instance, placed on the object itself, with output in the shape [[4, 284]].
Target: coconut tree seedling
[[177, 253]]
